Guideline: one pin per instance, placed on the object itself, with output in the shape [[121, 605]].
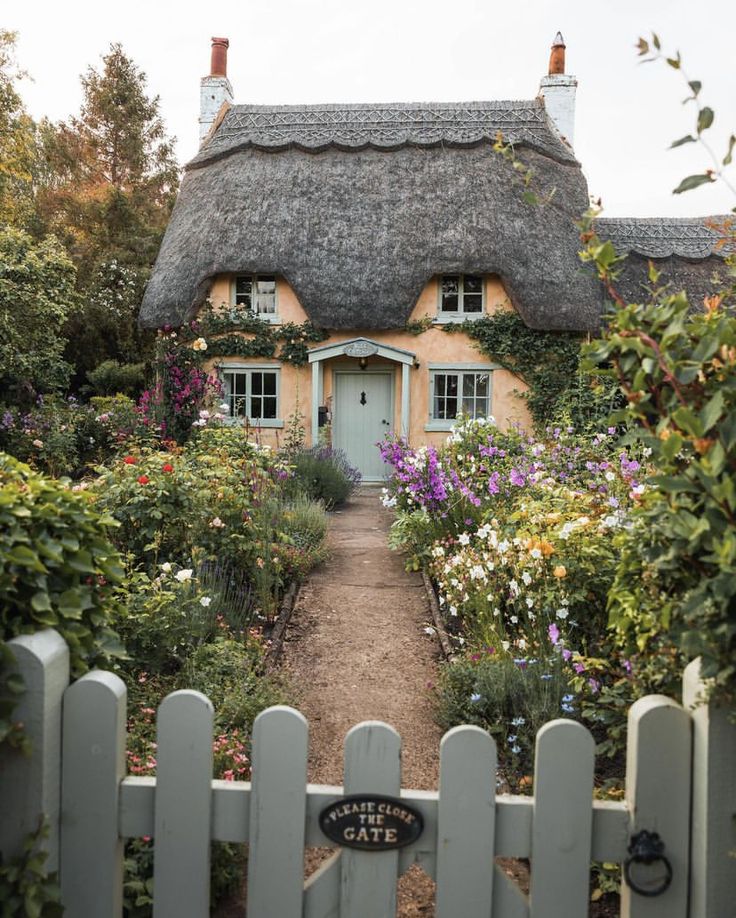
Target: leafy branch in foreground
[[705, 116]]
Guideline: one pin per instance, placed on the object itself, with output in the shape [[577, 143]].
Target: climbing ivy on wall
[[238, 332], [548, 362]]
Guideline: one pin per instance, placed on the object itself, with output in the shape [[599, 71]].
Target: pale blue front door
[[362, 415]]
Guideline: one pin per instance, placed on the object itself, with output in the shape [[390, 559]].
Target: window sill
[[440, 425], [270, 318], [260, 423], [450, 318]]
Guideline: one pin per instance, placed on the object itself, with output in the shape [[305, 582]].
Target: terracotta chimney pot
[[557, 57], [218, 65]]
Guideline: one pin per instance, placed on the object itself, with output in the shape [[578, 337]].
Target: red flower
[[167, 467], [144, 479], [130, 460]]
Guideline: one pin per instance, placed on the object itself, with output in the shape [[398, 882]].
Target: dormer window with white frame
[[461, 296], [256, 292]]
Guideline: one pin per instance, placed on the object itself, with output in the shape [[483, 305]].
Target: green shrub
[[510, 698], [325, 474], [677, 578], [162, 620], [304, 523], [228, 672], [154, 497], [111, 378], [58, 568]]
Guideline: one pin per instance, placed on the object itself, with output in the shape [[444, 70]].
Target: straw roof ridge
[[390, 126]]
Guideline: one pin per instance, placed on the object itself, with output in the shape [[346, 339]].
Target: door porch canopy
[[359, 348]]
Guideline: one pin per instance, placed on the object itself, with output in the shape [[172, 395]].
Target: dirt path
[[355, 650]]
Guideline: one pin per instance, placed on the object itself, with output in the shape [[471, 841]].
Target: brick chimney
[[215, 89], [557, 89]]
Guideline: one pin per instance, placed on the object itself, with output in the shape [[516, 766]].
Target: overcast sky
[[309, 51]]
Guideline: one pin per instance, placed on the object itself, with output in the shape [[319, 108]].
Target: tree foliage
[[18, 159], [36, 297], [111, 183], [114, 176]]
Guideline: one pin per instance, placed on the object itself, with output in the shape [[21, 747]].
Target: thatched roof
[[687, 251], [358, 206]]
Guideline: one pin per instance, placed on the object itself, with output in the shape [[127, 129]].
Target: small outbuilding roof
[[358, 206]]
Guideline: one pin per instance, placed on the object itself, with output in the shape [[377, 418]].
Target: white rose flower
[[166, 567], [205, 601], [184, 575]]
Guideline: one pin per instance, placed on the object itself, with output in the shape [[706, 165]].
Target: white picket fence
[[680, 783]]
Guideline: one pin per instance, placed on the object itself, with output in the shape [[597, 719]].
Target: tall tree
[[36, 296], [112, 183], [18, 145]]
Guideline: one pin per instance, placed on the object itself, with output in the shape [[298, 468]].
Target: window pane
[[243, 288], [445, 396], [473, 302], [450, 290], [269, 384], [239, 406], [266, 284], [468, 384], [257, 384], [256, 409], [473, 283], [481, 385], [269, 406]]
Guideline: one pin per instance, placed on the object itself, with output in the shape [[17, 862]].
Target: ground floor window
[[252, 393], [459, 391]]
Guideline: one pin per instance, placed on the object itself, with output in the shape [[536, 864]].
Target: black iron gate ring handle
[[647, 848]]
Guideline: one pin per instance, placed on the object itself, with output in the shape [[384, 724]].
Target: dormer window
[[461, 295], [256, 292]]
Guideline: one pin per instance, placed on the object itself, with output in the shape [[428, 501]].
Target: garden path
[[356, 650]]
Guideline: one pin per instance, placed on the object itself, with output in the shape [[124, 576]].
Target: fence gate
[[679, 784]]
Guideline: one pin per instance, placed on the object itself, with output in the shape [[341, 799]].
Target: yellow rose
[[560, 571]]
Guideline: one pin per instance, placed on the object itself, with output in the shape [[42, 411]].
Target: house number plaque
[[371, 823], [360, 349]]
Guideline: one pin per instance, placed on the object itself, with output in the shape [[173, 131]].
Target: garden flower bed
[[167, 563], [521, 537]]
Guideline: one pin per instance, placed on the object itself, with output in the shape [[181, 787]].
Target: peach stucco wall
[[432, 346]]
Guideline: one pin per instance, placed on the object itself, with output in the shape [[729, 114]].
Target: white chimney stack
[[215, 89], [558, 91]]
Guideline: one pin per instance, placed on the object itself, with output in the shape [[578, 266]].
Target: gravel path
[[355, 650]]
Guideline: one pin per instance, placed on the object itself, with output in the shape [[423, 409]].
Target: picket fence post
[[93, 765], [658, 776], [181, 852], [372, 766], [713, 832], [30, 787], [563, 820], [277, 814], [466, 822]]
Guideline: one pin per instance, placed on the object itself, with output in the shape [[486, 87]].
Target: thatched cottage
[[365, 220]]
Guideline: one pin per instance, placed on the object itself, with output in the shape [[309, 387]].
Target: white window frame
[[272, 317], [460, 369], [460, 315], [248, 369]]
